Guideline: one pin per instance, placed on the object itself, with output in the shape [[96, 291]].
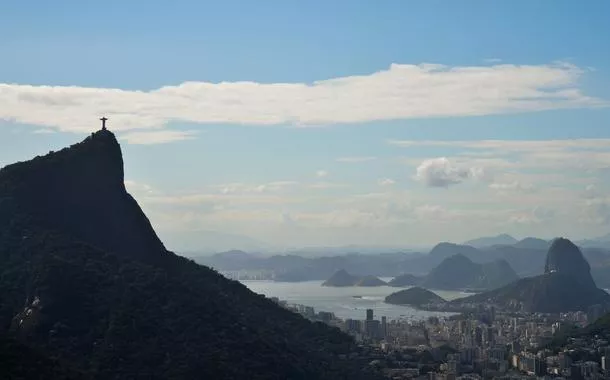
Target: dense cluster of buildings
[[485, 344]]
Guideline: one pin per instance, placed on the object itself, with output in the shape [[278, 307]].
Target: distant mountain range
[[526, 257], [206, 242], [534, 243], [459, 272], [599, 242], [566, 285]]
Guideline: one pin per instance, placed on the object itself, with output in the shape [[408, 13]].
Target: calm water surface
[[347, 302]]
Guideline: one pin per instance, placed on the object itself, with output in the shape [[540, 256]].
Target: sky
[[315, 123]]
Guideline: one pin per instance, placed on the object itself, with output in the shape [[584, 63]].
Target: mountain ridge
[[566, 285], [459, 272], [488, 241], [85, 279]]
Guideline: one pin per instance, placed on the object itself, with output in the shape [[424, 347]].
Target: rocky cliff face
[[566, 258], [81, 189]]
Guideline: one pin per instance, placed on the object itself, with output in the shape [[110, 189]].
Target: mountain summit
[[566, 285], [85, 280], [81, 189], [565, 257]]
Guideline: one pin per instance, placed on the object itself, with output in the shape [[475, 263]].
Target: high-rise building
[[491, 336], [353, 325], [478, 336], [565, 361], [384, 327], [369, 314], [467, 355], [492, 313], [373, 328]]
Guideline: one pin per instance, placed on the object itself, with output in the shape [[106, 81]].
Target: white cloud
[[156, 137], [321, 173], [441, 172], [575, 154], [238, 187], [511, 186], [597, 211], [432, 213], [138, 188], [354, 160], [400, 92], [386, 182], [44, 131], [536, 215], [325, 185], [511, 146]]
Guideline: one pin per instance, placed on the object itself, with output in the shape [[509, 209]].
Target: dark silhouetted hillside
[[415, 296], [85, 280]]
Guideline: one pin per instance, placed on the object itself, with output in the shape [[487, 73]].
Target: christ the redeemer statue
[[103, 119]]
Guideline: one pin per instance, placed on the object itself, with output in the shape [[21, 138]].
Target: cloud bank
[[441, 172], [402, 91]]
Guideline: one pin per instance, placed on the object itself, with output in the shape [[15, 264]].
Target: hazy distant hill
[[299, 268], [526, 257], [85, 280], [443, 250], [503, 239], [459, 272], [566, 285], [342, 279], [532, 243], [599, 242]]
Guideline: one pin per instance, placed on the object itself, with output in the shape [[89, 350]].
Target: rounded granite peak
[[566, 258]]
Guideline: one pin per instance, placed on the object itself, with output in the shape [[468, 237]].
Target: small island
[[415, 296], [342, 278]]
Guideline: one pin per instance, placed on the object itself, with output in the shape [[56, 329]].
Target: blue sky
[[326, 123]]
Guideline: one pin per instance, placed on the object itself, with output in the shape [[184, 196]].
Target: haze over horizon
[[325, 126]]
